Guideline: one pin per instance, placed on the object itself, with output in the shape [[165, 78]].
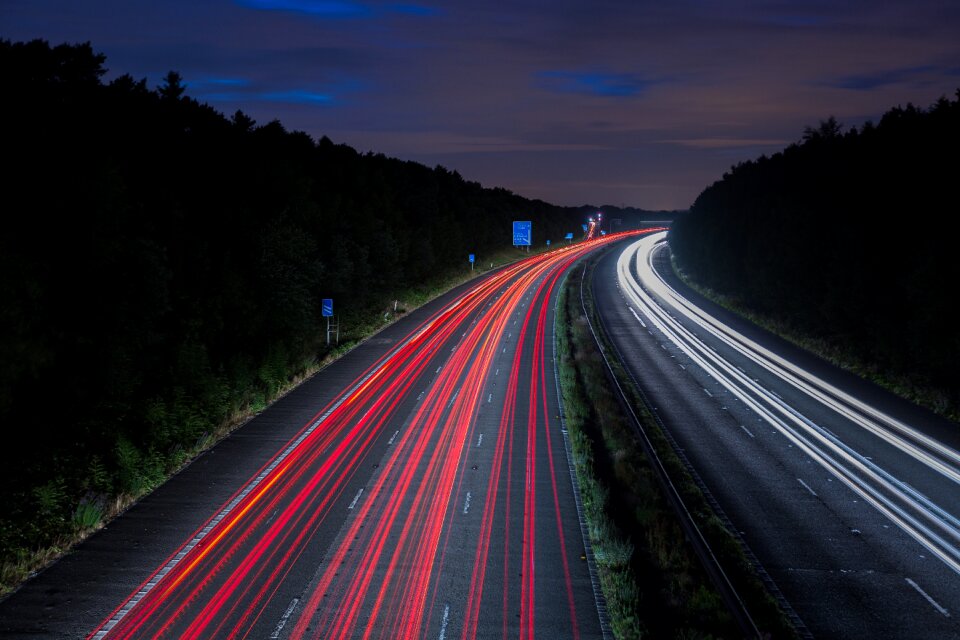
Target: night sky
[[604, 102]]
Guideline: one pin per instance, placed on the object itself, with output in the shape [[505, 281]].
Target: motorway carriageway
[[436, 484], [849, 498]]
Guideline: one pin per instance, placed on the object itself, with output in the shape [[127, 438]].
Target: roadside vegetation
[[844, 244], [651, 578], [161, 272]]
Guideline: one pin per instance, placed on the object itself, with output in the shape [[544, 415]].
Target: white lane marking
[[642, 323], [504, 349], [443, 623], [479, 439], [283, 620], [393, 437], [489, 398], [121, 613], [497, 373], [807, 487], [466, 504], [748, 431], [355, 498], [708, 393], [450, 404], [915, 514], [932, 602], [438, 369]]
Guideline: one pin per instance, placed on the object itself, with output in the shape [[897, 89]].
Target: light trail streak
[[930, 524], [395, 540]]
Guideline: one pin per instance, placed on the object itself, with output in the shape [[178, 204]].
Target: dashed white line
[[639, 319], [355, 499], [932, 602], [748, 431], [706, 391], [479, 439], [807, 487], [444, 622], [393, 437], [489, 398], [283, 620], [466, 504]]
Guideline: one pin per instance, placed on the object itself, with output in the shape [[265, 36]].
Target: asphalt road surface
[[418, 487], [848, 496]]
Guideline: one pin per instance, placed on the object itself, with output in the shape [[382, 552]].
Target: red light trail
[[382, 576]]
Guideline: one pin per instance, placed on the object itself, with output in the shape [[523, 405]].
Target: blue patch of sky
[[618, 85], [867, 81], [297, 96], [317, 8], [337, 8]]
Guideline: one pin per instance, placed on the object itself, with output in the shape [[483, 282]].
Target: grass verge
[[650, 575]]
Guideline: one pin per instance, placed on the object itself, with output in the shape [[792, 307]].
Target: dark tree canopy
[[162, 264], [848, 236]]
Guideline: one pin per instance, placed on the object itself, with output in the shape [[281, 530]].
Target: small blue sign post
[[548, 243], [584, 228], [326, 310], [568, 237], [522, 233], [473, 259]]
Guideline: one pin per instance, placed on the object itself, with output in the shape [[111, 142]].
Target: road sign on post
[[333, 325], [522, 233], [472, 260], [568, 237], [548, 243]]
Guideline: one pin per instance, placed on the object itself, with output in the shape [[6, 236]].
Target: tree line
[[847, 236], [162, 266]]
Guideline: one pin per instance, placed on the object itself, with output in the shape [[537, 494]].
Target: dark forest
[[162, 266], [847, 237]]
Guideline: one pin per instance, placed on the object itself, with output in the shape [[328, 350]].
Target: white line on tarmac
[[807, 487], [355, 498], [932, 602]]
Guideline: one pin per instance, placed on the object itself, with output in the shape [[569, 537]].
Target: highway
[[847, 496], [419, 487]]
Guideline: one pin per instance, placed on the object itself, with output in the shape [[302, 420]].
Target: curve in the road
[[451, 534], [716, 376]]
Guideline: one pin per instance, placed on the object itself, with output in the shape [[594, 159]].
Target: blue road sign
[[472, 258], [548, 243], [327, 307], [522, 233], [584, 228], [602, 232], [569, 236]]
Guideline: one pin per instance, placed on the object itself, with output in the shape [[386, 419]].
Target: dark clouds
[[609, 101]]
